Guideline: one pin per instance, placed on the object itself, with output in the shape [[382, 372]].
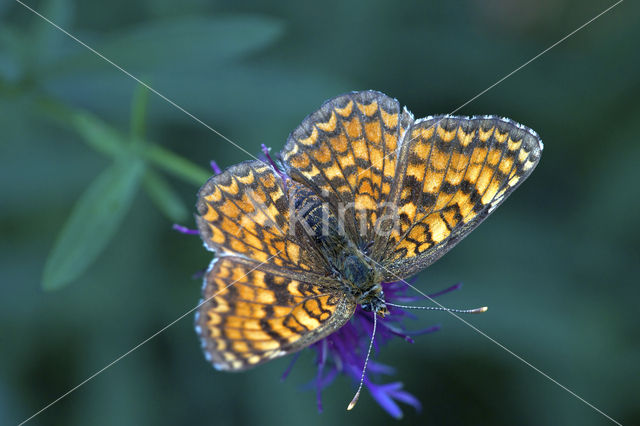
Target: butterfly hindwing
[[249, 315]]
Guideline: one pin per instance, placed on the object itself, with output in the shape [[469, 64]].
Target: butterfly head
[[374, 303]]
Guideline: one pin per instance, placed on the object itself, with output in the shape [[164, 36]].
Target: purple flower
[[184, 230], [345, 351], [214, 166]]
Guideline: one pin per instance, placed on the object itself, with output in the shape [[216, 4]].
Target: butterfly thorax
[[348, 263], [362, 280]]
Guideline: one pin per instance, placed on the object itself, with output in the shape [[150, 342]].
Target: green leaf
[[107, 140], [93, 222], [164, 197], [174, 45], [175, 164], [98, 134], [138, 113]]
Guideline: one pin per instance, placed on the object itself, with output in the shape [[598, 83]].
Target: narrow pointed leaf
[[175, 165], [93, 222], [164, 197], [139, 113], [98, 134]]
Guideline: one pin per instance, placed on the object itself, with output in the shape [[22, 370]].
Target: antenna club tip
[[353, 402], [481, 310]]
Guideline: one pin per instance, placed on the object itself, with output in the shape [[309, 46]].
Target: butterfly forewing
[[245, 211], [452, 173], [347, 152]]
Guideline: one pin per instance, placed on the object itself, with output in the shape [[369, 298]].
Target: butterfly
[[362, 194]]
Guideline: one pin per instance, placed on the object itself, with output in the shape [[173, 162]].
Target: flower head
[[345, 351]]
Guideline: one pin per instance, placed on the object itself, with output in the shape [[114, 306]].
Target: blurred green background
[[558, 264]]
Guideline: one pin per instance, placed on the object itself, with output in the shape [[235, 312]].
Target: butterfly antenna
[[434, 308], [354, 401]]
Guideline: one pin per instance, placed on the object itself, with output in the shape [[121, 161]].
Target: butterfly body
[[365, 194], [360, 278]]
